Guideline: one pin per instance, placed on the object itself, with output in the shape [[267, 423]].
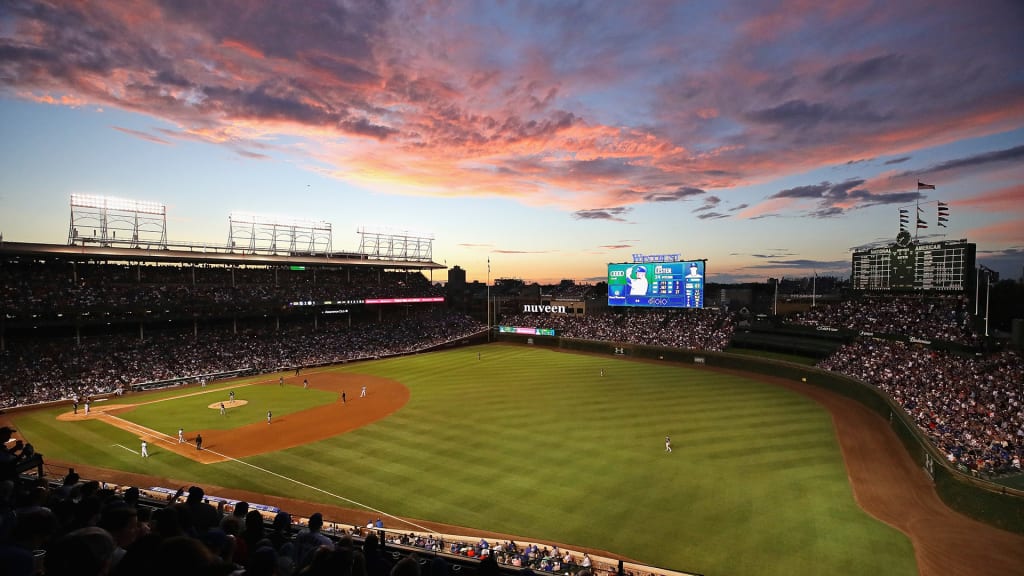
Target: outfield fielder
[[668, 444], [145, 452], [305, 384]]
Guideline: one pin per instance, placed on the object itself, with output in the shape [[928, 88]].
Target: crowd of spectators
[[77, 527], [54, 289], [694, 329], [972, 408], [932, 318], [42, 370]]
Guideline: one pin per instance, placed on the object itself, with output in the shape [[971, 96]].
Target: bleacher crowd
[[694, 329], [936, 318], [972, 408]]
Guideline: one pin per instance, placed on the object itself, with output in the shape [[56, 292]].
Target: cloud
[[434, 99], [799, 114], [503, 251], [1005, 156], [864, 71], [681, 193], [616, 246], [472, 245], [142, 135], [836, 199], [802, 264], [712, 216], [1010, 198], [709, 203], [614, 214], [739, 207], [899, 160]]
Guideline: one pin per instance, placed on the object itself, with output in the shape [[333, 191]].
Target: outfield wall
[[985, 501]]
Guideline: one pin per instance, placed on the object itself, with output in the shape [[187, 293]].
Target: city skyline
[[538, 141]]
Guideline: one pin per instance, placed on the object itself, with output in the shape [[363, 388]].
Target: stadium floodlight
[[273, 234], [120, 204], [139, 221], [388, 243]]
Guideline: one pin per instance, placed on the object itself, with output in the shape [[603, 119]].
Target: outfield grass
[[537, 443]]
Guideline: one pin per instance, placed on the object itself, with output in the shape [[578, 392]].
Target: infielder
[[305, 384], [270, 415], [223, 411], [363, 393], [199, 441], [181, 435], [280, 381], [145, 452], [231, 396], [87, 407]]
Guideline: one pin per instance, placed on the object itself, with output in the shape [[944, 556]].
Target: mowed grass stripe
[[537, 443]]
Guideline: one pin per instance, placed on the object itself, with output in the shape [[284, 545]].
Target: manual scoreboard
[[943, 266]]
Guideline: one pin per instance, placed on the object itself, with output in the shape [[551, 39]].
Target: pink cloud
[[1008, 199], [1008, 232]]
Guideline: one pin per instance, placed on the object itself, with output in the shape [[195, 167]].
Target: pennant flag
[[923, 186], [921, 223], [904, 218], [943, 214]]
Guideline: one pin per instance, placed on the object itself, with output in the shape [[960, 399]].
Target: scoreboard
[[944, 266], [657, 284]]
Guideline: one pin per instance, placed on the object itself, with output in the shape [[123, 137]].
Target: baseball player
[[181, 435], [270, 416], [223, 411], [668, 444], [280, 381], [199, 441], [363, 393], [87, 403], [343, 397], [231, 396], [305, 384], [145, 452]]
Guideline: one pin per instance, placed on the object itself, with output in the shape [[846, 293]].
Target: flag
[[923, 186], [904, 218], [921, 223], [943, 214]]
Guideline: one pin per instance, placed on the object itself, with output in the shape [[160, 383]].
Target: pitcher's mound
[[228, 404]]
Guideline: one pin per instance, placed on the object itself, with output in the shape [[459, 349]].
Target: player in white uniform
[[270, 415], [668, 444], [145, 452], [181, 435], [363, 393]]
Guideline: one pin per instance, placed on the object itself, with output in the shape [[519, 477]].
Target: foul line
[[133, 427], [322, 491], [126, 448]]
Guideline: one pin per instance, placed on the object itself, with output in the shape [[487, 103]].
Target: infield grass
[[536, 443]]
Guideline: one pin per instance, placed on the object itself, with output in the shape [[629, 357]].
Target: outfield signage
[[403, 300], [355, 301], [540, 308], [646, 258], [523, 330]]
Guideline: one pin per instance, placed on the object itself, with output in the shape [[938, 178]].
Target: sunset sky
[[552, 137]]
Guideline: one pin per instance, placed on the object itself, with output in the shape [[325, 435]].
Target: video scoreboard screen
[[657, 284], [945, 266]]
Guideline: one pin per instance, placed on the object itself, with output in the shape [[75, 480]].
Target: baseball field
[[540, 444]]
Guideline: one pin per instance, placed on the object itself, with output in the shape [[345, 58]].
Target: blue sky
[[552, 138]]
